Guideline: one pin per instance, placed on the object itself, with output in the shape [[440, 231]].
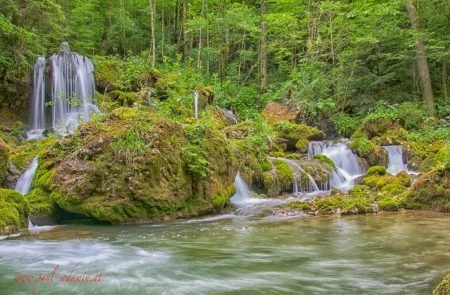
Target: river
[[401, 253]]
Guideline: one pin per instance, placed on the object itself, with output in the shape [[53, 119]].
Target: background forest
[[328, 59]]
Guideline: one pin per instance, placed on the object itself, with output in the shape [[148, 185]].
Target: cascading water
[[395, 155], [348, 167], [311, 186], [196, 104], [24, 183], [37, 113], [62, 99]]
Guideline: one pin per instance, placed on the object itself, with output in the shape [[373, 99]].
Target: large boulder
[[431, 191], [296, 136], [277, 112], [138, 170]]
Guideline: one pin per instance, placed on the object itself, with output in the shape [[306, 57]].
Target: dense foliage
[[324, 57]]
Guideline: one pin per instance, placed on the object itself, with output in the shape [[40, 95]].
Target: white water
[[395, 155], [196, 104], [37, 109], [348, 167], [311, 186], [67, 101], [23, 186], [24, 183], [243, 194]]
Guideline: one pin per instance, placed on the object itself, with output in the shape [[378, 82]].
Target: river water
[[402, 253]]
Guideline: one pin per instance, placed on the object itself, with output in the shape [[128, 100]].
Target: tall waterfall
[[37, 114], [196, 104], [24, 183], [395, 155], [63, 90], [348, 167]]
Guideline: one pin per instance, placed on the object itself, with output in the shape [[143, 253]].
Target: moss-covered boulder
[[4, 150], [325, 160], [14, 211], [431, 191], [278, 180], [444, 287], [124, 98], [376, 170], [139, 170], [374, 154], [291, 133], [378, 125]]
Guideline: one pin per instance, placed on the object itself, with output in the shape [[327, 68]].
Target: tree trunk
[[444, 79], [151, 4], [421, 59], [105, 35], [263, 53], [185, 34]]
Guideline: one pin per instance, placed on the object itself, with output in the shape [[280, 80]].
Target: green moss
[[124, 98], [284, 171], [324, 159], [352, 205], [266, 165], [394, 136], [378, 124], [302, 145], [360, 191], [328, 205], [376, 170], [42, 205], [4, 151], [362, 146], [298, 131], [444, 287], [221, 198], [430, 191], [388, 203], [14, 211], [303, 206]]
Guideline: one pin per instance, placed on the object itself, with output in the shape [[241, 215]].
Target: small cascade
[[196, 104], [311, 186], [243, 196], [63, 90], [395, 156], [348, 167], [295, 185], [24, 183]]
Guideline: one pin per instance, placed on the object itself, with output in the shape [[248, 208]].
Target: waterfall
[[196, 103], [311, 186], [295, 185], [348, 167], [24, 183], [395, 155], [243, 197], [62, 99], [37, 107]]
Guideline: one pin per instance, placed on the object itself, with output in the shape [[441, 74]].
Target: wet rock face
[[277, 112]]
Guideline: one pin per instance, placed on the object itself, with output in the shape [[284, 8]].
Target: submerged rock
[[444, 287]]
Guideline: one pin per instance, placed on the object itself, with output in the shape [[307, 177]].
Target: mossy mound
[[378, 125], [324, 159], [444, 287], [291, 133], [124, 98], [376, 170], [319, 169], [431, 191], [277, 180], [14, 211], [137, 170]]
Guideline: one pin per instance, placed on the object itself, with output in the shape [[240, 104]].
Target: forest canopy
[[324, 57]]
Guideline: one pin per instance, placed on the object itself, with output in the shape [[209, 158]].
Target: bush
[[345, 124]]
